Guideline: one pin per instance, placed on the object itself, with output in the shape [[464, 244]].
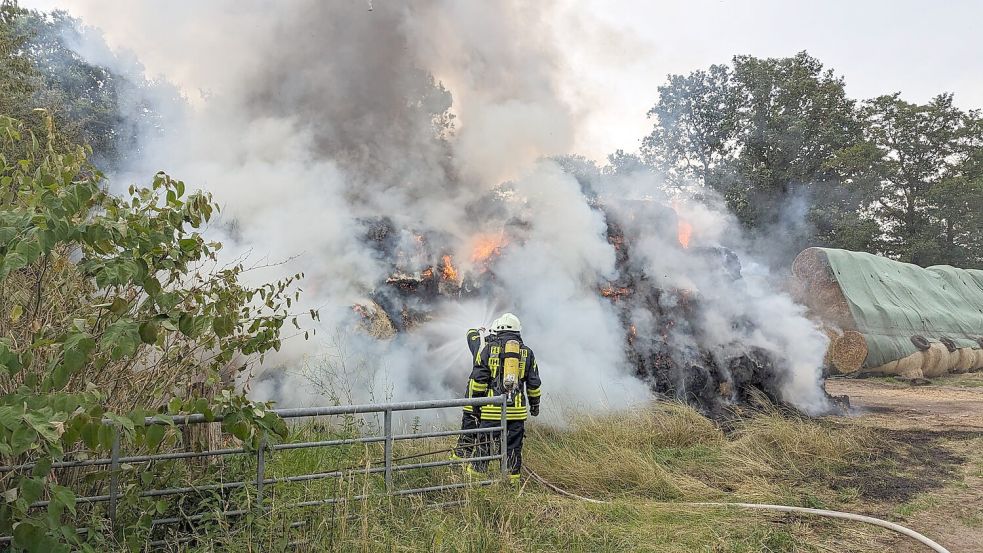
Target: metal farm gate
[[111, 486]]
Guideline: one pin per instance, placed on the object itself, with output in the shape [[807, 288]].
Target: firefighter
[[469, 421], [505, 366]]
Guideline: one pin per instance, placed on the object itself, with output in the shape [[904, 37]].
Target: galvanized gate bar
[[444, 433], [114, 478], [360, 409], [129, 459], [239, 450], [325, 443], [260, 470], [389, 467], [387, 426], [283, 413]]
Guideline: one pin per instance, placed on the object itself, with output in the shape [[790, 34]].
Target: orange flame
[[616, 293], [486, 246], [448, 272], [684, 230]]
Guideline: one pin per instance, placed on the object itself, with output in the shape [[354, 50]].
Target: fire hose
[[762, 506]]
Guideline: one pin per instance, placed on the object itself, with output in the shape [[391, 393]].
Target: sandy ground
[[938, 406], [944, 420]]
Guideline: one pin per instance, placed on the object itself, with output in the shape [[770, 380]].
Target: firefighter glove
[[534, 410]]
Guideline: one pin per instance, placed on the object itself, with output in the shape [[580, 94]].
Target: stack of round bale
[[923, 351]]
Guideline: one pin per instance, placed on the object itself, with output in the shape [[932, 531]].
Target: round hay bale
[[935, 360], [831, 334], [826, 294], [808, 263], [797, 289], [910, 366], [840, 316], [967, 360], [828, 301], [849, 352], [952, 362], [979, 360], [891, 367]]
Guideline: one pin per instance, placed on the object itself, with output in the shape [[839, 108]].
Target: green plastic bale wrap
[[889, 302]]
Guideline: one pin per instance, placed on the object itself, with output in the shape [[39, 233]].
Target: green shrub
[[109, 308]]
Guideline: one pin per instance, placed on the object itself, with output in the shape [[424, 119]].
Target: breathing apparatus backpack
[[510, 369]]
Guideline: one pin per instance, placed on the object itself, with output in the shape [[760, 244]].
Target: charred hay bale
[[375, 321], [848, 352], [380, 325]]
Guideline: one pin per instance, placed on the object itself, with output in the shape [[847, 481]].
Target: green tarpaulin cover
[[892, 301]]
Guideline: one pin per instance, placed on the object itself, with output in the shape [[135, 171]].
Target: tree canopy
[[881, 175]]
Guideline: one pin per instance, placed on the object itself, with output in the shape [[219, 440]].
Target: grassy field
[[644, 463]]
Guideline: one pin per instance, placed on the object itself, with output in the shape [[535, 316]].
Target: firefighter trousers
[[516, 431], [466, 442]]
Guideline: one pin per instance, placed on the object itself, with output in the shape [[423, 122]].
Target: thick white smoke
[[306, 119]]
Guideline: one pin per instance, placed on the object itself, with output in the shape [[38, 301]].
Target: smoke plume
[[365, 147]]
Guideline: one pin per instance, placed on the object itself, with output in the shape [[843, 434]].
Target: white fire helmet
[[507, 322]]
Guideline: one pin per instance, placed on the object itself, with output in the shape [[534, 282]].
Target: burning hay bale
[[666, 338], [676, 338], [895, 318], [375, 321]]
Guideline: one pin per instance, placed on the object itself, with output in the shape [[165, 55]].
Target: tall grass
[[670, 452], [637, 460]]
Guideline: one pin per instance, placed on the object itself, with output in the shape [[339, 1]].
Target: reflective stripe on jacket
[[475, 342], [487, 376]]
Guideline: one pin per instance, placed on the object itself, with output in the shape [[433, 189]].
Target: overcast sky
[[619, 51]]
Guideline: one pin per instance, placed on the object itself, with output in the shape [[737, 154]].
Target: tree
[[696, 123], [583, 169], [624, 163], [111, 307], [39, 70], [929, 174], [18, 77], [794, 118], [770, 134]]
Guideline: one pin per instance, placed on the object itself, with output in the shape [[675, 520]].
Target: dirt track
[[903, 407], [934, 436]]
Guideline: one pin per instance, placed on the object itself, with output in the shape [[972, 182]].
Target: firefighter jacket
[[474, 344], [486, 378]]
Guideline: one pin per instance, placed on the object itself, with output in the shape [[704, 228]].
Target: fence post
[[503, 441], [260, 470], [114, 478], [387, 426]]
